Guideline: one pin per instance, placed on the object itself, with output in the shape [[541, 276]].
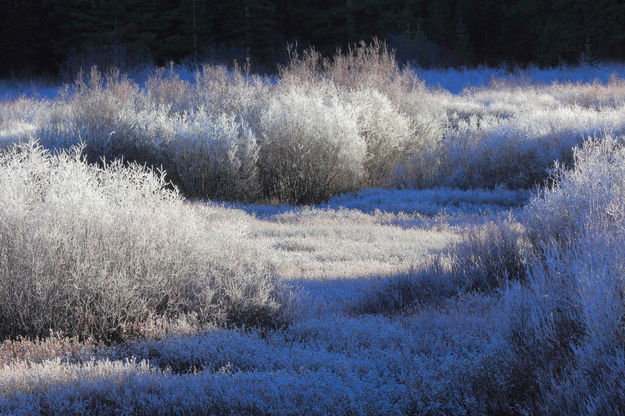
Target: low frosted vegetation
[[95, 251], [514, 316], [325, 126], [579, 222], [479, 293]]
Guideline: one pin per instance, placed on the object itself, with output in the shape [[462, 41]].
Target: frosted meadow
[[345, 238]]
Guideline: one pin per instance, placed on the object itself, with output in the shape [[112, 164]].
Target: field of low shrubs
[[340, 238], [321, 127]]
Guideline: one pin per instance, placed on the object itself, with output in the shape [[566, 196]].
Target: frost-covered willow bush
[[579, 224], [311, 148], [393, 105], [206, 153], [230, 135], [110, 115], [587, 198], [387, 133], [96, 251], [215, 157]]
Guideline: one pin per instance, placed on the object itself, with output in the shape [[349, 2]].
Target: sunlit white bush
[[215, 157], [578, 225], [371, 74], [310, 148], [92, 251], [387, 133]]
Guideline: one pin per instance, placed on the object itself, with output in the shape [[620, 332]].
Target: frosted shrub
[[165, 88], [310, 146], [365, 64], [590, 194], [216, 158], [422, 160], [363, 69], [214, 89], [232, 92], [92, 251], [387, 134], [362, 66], [102, 114], [206, 155], [578, 225], [374, 65]]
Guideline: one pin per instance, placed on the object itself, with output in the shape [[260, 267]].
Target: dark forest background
[[55, 36]]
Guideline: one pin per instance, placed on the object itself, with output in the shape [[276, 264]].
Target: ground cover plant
[[341, 239]]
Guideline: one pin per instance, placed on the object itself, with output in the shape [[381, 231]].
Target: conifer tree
[[24, 41], [462, 42]]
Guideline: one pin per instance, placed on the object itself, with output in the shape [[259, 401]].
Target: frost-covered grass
[[437, 363], [430, 201]]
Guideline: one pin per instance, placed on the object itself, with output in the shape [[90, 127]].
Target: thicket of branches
[[101, 251]]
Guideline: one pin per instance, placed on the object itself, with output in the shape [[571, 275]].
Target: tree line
[[40, 36]]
